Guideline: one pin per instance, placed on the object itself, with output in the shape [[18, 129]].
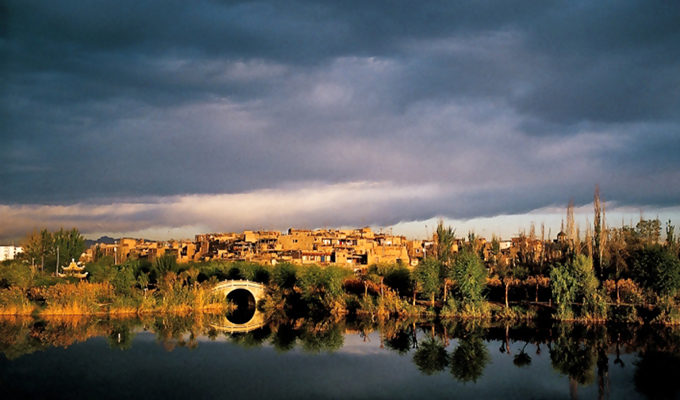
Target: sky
[[159, 120]]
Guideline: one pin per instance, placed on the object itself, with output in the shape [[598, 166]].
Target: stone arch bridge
[[255, 289], [246, 317]]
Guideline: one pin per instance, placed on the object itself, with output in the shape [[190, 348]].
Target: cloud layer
[[472, 109]]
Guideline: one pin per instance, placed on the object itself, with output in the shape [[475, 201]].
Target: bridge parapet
[[256, 289]]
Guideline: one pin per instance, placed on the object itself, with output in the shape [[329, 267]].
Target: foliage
[[426, 276], [649, 231], [323, 286], [470, 276], [163, 265], [71, 245], [395, 276], [657, 268], [669, 312], [101, 270], [249, 271], [16, 274], [387, 305], [624, 314], [177, 293], [576, 281], [629, 291], [284, 275], [454, 308], [446, 237], [513, 313], [13, 301], [38, 246], [74, 299]]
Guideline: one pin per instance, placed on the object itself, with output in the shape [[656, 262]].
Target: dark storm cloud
[[513, 105]]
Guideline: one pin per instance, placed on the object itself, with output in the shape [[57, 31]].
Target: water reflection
[[588, 358]]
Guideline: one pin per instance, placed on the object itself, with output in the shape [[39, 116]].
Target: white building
[[9, 252]]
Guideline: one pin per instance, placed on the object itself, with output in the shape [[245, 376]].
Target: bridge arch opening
[[245, 306]]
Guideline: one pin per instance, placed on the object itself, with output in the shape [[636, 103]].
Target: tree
[[510, 275], [39, 245], [164, 264], [655, 267], [470, 275], [71, 244], [574, 281], [599, 239], [671, 240], [446, 237], [563, 286], [495, 250], [649, 231], [617, 251], [426, 276], [284, 275]]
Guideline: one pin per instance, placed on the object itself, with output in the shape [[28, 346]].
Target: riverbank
[[382, 291]]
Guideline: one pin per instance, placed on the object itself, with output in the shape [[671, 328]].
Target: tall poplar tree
[[39, 245]]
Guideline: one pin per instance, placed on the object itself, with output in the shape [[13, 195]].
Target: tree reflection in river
[[581, 353], [431, 356], [470, 358]]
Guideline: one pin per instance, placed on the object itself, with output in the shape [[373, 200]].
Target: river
[[196, 357]]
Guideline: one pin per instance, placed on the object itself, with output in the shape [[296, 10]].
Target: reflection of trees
[[254, 338], [522, 359], [285, 338], [576, 352], [658, 363], [470, 358], [431, 356], [656, 374], [16, 339], [401, 341], [466, 362], [580, 352], [121, 336], [26, 335], [573, 356], [317, 341]]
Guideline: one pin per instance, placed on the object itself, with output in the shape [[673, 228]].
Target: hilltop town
[[355, 248]]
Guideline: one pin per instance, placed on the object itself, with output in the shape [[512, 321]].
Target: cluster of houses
[[350, 247]]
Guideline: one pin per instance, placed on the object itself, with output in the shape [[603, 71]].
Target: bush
[[74, 299], [629, 291], [15, 274], [13, 301], [669, 312], [624, 314], [465, 309]]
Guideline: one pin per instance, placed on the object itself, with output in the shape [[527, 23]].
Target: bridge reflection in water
[[245, 295]]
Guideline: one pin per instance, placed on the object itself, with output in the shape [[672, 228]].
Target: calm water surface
[[193, 358]]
